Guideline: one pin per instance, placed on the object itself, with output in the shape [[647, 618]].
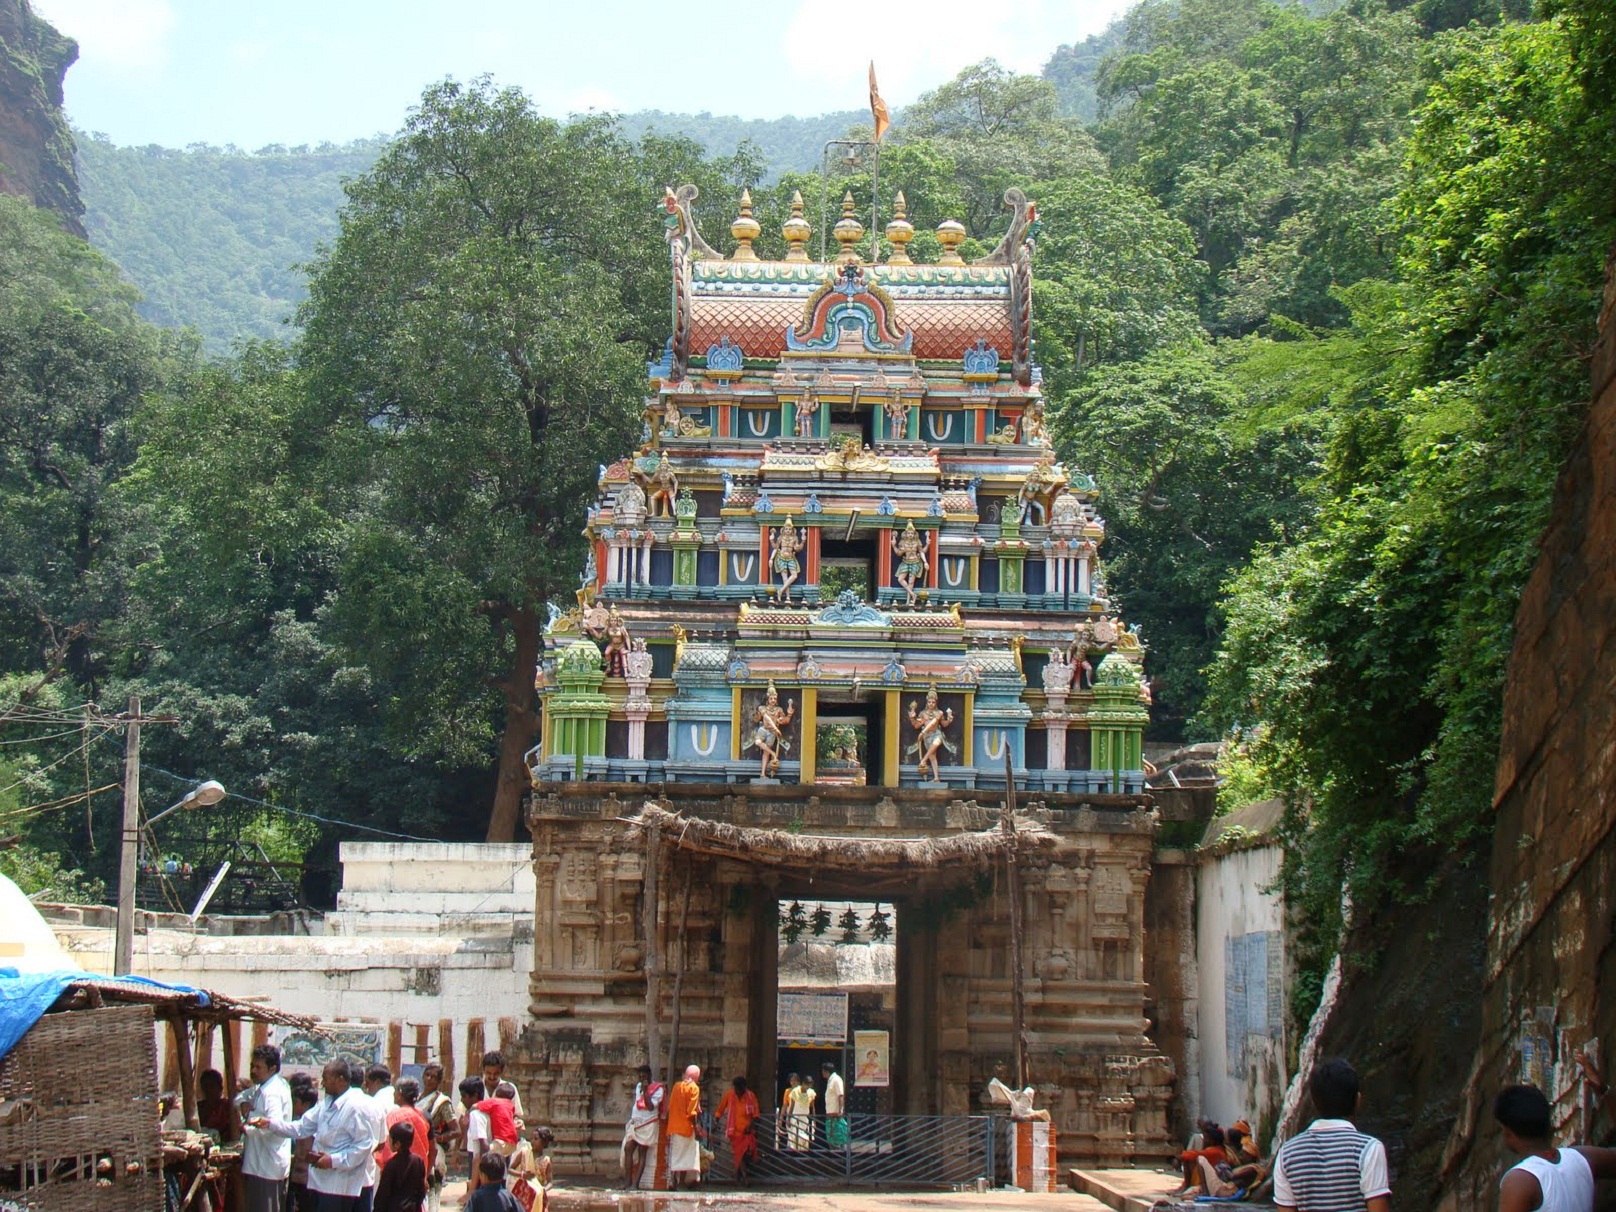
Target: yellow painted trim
[[810, 733], [723, 566], [546, 724], [735, 728], [976, 573], [889, 759], [967, 716]]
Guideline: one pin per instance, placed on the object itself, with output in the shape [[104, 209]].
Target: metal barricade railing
[[876, 1150]]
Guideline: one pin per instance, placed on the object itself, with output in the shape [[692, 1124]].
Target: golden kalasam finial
[[848, 230], [951, 234], [796, 231], [899, 232], [745, 229]]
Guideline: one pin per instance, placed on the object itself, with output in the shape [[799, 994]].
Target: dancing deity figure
[[617, 644], [929, 736], [770, 722], [783, 559], [664, 488], [912, 562]]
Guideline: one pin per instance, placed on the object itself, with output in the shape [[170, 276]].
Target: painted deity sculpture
[[807, 413], [897, 409], [1034, 429], [769, 724], [912, 562], [617, 644], [783, 559], [929, 736], [664, 488], [1033, 497]]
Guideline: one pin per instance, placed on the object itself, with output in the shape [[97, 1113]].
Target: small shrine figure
[[897, 409], [671, 416], [664, 488], [617, 644], [807, 413], [783, 559], [912, 562], [770, 722], [1077, 657], [929, 735], [1034, 429]]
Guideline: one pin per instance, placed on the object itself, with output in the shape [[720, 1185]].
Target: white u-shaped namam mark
[[712, 740], [931, 425], [995, 754], [752, 419], [953, 572], [741, 566]]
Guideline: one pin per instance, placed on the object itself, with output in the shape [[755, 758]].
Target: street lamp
[[201, 796]]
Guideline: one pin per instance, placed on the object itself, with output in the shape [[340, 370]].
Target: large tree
[[475, 345]]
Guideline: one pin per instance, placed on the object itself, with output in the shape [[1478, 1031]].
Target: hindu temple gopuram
[[843, 586]]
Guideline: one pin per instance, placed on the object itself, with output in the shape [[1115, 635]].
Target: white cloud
[[131, 35], [917, 47]]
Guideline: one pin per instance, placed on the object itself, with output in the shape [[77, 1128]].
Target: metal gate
[[880, 1150]]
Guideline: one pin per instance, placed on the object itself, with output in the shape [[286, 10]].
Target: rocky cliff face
[[1549, 986], [36, 146]]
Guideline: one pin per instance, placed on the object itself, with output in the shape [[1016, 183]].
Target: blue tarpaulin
[[25, 996]]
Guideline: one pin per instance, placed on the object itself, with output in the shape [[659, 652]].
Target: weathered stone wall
[[36, 146], [1549, 986], [1106, 1084]]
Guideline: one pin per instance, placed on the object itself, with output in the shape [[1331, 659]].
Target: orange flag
[[878, 107]]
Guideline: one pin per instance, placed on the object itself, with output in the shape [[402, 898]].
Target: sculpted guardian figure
[[912, 562], [783, 559]]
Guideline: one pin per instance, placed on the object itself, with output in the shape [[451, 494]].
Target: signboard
[[811, 1018], [872, 1058]]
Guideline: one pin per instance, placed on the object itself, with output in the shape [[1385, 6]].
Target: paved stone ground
[[718, 1199]]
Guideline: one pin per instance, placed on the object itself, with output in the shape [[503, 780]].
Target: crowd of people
[[1331, 1166], [360, 1141]]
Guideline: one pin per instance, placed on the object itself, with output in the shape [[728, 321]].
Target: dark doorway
[[858, 424], [847, 564]]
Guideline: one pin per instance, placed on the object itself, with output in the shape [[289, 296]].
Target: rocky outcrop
[[1549, 987], [36, 146]]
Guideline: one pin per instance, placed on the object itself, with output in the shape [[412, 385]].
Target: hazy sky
[[175, 72]]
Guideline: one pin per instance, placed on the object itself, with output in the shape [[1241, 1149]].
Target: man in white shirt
[[377, 1082], [266, 1158], [835, 1107], [341, 1126], [493, 1074]]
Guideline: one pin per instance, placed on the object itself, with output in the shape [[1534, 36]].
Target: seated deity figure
[[1034, 429], [769, 724], [912, 562], [929, 736], [783, 559]]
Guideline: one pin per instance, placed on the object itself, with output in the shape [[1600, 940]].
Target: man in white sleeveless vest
[[1549, 1179]]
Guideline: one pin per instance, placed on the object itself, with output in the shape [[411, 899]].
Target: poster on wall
[[811, 1018], [872, 1058], [308, 1051]]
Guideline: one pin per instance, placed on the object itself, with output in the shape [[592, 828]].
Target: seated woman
[[1212, 1150]]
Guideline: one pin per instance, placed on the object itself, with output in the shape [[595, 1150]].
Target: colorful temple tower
[[844, 586], [846, 549]]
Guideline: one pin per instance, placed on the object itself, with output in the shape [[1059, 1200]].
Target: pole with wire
[[123, 957]]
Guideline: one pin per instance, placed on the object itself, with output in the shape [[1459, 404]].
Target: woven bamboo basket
[[89, 1078]]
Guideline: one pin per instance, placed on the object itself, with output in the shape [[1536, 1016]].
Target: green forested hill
[[213, 236]]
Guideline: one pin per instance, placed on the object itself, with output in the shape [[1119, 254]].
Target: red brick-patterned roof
[[943, 328]]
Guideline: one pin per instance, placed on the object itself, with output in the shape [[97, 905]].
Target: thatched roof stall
[[78, 1090], [872, 856]]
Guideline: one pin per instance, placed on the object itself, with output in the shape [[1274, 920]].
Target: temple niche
[[845, 587]]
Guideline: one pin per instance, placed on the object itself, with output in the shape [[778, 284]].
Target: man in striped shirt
[[1332, 1167]]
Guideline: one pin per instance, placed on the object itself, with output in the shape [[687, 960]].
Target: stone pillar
[[637, 673], [809, 733], [891, 739], [686, 543], [1057, 685]]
